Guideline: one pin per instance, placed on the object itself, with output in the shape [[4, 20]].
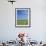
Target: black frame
[[29, 17]]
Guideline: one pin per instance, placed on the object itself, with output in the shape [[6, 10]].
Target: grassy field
[[22, 22]]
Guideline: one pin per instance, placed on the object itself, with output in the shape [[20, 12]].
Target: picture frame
[[22, 17]]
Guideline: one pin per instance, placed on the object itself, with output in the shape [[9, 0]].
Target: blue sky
[[22, 14]]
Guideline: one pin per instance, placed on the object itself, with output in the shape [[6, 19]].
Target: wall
[[8, 31]]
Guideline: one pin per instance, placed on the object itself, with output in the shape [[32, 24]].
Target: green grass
[[22, 22]]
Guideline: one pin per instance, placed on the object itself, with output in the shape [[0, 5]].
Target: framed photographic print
[[22, 17]]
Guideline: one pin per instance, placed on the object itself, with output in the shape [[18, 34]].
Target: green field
[[22, 22]]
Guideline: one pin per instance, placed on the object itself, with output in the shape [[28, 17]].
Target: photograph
[[22, 17]]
